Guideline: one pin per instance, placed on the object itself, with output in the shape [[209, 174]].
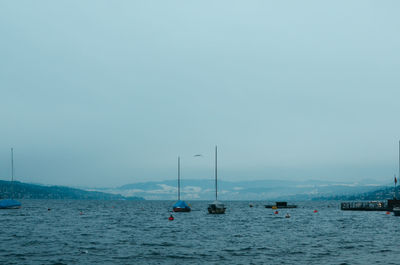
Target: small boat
[[281, 205], [180, 206], [216, 207], [11, 203], [396, 211]]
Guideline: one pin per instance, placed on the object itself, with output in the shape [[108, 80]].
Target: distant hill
[[383, 193], [20, 190], [203, 189]]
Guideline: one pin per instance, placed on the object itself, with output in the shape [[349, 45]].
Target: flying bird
[[198, 155]]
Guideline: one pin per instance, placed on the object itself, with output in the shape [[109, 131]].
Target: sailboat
[[216, 207], [396, 202], [11, 203], [180, 206]]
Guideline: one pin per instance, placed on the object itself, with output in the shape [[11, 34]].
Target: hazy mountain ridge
[[204, 190], [195, 189], [383, 193], [20, 190]]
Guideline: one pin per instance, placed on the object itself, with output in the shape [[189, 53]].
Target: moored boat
[[216, 207], [281, 205], [180, 206], [11, 203]]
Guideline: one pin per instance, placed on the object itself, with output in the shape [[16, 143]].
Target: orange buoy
[[315, 211], [388, 212], [171, 218], [276, 212]]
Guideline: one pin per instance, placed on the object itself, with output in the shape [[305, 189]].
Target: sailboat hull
[[181, 210], [10, 204], [216, 209]]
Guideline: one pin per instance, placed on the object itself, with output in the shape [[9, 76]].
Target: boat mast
[[179, 178], [12, 172], [399, 171], [216, 175], [12, 164]]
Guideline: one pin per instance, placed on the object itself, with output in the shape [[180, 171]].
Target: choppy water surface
[[130, 232]]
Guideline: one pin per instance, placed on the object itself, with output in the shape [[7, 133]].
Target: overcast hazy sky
[[104, 93]]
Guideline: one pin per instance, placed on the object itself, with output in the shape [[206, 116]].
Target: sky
[[105, 93]]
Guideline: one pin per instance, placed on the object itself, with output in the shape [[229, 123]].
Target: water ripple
[[129, 232]]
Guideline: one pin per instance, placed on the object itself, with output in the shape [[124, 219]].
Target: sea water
[[139, 232]]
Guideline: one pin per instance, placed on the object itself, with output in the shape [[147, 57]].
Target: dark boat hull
[[216, 209], [181, 210], [281, 207]]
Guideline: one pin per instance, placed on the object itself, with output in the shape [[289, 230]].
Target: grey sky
[[104, 93]]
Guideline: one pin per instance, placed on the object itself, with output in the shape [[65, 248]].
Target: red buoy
[[171, 218], [276, 212], [315, 211], [387, 212]]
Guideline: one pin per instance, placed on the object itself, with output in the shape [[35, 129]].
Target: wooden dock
[[370, 206]]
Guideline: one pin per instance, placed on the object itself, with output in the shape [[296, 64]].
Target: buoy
[[171, 218], [315, 211], [48, 209], [276, 212], [274, 207], [387, 212], [251, 205]]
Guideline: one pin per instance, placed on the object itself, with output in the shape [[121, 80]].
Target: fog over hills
[[21, 190], [196, 189], [204, 189]]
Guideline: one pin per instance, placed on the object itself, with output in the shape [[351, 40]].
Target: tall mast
[[179, 178], [398, 174], [216, 175], [12, 164], [12, 173]]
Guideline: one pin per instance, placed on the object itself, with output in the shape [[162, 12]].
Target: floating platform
[[281, 205], [370, 206]]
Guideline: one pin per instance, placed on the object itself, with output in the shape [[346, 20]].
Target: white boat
[[216, 207]]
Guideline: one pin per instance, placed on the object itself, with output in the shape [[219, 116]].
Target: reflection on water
[[129, 232]]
